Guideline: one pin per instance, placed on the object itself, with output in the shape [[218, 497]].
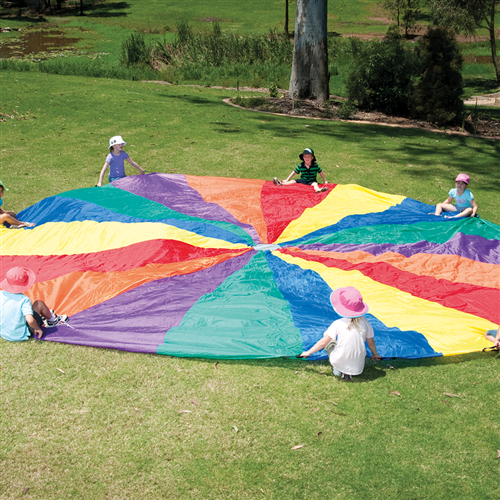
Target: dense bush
[[381, 78], [437, 96], [135, 51], [219, 49]]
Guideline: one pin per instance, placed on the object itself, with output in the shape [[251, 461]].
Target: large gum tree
[[309, 78]]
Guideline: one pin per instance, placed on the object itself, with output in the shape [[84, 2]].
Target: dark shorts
[[303, 181], [38, 320]]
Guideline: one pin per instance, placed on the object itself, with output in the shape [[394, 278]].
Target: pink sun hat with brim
[[463, 178], [348, 303], [18, 280]]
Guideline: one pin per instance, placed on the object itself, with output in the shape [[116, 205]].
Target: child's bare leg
[[13, 221], [444, 207], [466, 213], [287, 183], [41, 308]]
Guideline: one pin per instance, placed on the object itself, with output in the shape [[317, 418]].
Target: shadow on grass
[[108, 9], [371, 140], [373, 369]]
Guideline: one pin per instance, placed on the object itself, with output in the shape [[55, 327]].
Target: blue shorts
[[111, 179], [303, 181]]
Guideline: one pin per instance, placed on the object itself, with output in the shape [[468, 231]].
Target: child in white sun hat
[[115, 161], [344, 340]]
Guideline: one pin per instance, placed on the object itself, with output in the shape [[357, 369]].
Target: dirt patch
[[332, 111]]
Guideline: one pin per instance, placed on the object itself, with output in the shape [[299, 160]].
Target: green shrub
[[219, 48], [437, 96], [273, 90], [135, 51], [346, 110], [381, 78]]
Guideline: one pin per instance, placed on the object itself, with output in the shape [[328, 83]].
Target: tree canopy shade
[[467, 16], [309, 78]]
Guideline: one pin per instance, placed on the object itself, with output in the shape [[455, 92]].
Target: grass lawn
[[90, 423]]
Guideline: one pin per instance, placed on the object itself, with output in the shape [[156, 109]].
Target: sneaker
[[346, 378], [276, 182], [335, 372], [59, 319]]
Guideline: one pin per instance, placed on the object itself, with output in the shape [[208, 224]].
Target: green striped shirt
[[308, 174]]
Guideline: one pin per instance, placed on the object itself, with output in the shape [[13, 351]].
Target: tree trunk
[[493, 42], [286, 18], [309, 78]]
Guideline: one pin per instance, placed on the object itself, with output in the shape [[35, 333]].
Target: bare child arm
[[373, 348], [31, 322], [320, 344], [134, 164], [103, 171], [323, 177]]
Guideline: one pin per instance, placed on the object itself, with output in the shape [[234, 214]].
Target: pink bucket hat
[[18, 280], [347, 302], [463, 178]]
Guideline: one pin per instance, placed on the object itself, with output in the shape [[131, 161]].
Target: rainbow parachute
[[236, 268]]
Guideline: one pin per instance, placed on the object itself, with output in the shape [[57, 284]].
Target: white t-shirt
[[349, 354]]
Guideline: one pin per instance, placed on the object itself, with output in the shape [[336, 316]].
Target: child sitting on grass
[[10, 217], [115, 160], [18, 317], [344, 340], [465, 206], [308, 171]]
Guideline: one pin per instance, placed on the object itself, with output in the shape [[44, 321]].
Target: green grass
[[114, 425], [189, 130]]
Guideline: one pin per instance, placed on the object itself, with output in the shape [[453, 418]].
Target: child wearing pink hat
[[344, 340], [465, 206], [18, 317]]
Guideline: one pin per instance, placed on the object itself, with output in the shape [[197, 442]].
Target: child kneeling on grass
[[308, 171], [18, 318], [344, 340]]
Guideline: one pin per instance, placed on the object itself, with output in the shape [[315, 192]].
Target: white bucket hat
[[117, 139]]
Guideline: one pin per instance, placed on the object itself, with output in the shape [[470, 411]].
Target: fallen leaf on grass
[[25, 490], [338, 413], [474, 383], [298, 446], [195, 402], [444, 401], [396, 392], [215, 365], [319, 433], [498, 456], [390, 367], [262, 491], [59, 370], [452, 395], [184, 411], [235, 428]]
